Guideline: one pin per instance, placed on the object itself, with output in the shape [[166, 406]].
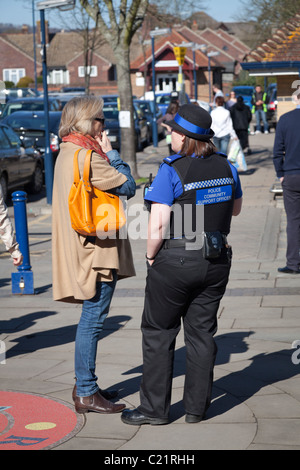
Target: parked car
[[29, 104], [73, 89], [112, 125], [30, 126], [147, 108], [63, 98], [14, 93], [108, 98], [163, 99], [272, 105], [19, 165], [246, 92]]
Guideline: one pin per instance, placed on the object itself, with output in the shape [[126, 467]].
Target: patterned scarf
[[86, 142]]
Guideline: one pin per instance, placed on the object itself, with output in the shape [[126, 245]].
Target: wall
[[284, 93], [10, 58]]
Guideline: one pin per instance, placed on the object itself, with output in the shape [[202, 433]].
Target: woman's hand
[[104, 141], [17, 261]]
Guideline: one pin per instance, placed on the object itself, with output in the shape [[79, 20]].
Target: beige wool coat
[[77, 264]]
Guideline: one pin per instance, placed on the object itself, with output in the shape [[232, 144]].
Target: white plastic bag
[[233, 151], [236, 156], [241, 161]]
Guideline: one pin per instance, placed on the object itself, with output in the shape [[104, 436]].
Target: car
[[29, 104], [30, 126], [246, 91], [73, 89], [147, 108], [163, 99], [112, 125], [272, 105], [19, 164], [63, 98], [108, 98], [14, 93]]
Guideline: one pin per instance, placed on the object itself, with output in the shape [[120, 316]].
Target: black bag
[[213, 244]]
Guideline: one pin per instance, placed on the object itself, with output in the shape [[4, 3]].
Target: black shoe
[[287, 270], [190, 418], [136, 418]]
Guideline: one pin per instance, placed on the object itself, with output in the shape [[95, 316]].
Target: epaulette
[[222, 154], [172, 158]]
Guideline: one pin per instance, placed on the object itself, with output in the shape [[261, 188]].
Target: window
[[13, 137], [93, 70], [4, 144], [58, 77], [13, 75]]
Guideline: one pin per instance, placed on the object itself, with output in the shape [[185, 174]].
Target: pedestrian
[[231, 101], [7, 233], [85, 269], [286, 161], [259, 108], [222, 126], [216, 92], [181, 282], [241, 117], [170, 114]]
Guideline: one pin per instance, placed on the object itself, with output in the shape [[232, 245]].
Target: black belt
[[179, 242]]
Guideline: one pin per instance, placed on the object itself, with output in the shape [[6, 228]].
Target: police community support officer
[[181, 283]]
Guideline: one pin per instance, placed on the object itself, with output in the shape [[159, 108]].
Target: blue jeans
[[222, 143], [93, 315], [261, 115]]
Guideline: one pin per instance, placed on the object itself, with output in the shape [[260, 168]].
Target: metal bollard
[[22, 281]]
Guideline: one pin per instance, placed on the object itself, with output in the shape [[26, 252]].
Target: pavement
[[256, 393]]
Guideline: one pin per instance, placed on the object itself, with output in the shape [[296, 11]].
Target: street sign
[[179, 54]]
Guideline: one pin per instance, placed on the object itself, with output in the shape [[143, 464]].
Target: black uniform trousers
[[181, 284], [291, 198]]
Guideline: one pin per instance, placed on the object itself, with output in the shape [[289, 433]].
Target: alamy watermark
[[2, 93], [189, 223], [296, 354], [2, 353]]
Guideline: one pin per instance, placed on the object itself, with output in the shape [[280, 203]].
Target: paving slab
[[256, 398]]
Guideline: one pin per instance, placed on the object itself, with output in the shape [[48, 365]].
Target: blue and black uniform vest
[[206, 181]]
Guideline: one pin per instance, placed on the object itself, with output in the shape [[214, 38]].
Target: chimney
[[194, 25], [25, 29], [39, 32]]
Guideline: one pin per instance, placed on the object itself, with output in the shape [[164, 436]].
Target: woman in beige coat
[[85, 269]]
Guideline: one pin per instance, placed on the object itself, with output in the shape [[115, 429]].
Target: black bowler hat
[[193, 121]]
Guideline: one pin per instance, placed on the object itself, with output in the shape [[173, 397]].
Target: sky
[[19, 12]]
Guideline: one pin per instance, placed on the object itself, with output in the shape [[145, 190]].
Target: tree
[[269, 15], [89, 36], [118, 21]]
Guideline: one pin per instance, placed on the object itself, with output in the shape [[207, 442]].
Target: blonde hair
[[78, 115]]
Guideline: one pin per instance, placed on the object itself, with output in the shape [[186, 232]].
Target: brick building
[[66, 58], [279, 57]]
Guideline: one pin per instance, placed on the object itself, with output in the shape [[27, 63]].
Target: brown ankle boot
[[108, 394], [98, 404]]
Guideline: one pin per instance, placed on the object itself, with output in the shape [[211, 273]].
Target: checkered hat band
[[208, 183]]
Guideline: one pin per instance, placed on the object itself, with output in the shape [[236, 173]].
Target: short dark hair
[[219, 101]]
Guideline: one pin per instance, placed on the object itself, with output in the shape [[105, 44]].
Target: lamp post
[[48, 160], [209, 55], [34, 47], [153, 34]]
